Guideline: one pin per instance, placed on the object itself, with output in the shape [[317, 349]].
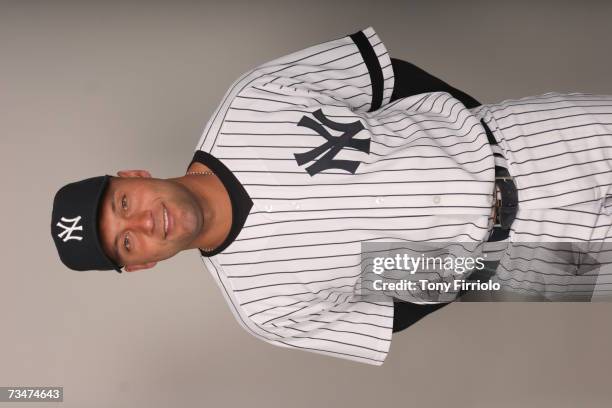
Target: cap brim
[[114, 264]]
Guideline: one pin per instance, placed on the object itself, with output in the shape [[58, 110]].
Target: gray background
[[92, 88]]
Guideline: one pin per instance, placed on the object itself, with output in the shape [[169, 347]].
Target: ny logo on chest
[[324, 155]]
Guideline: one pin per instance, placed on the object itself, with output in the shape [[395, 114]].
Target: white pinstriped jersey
[[325, 174]]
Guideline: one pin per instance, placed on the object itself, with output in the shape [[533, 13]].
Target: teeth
[[165, 221]]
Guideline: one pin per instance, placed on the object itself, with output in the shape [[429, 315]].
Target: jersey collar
[[241, 202]]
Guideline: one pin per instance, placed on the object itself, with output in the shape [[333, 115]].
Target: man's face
[[145, 220]]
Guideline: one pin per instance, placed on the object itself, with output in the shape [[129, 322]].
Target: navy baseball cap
[[74, 225]]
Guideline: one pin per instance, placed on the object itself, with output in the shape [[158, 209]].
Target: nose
[[142, 221]]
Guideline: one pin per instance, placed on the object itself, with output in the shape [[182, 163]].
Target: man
[[314, 153]]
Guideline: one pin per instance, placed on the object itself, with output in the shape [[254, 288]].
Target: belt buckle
[[497, 199], [498, 221], [506, 201]]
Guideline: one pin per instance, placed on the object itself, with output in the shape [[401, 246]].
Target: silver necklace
[[202, 173]]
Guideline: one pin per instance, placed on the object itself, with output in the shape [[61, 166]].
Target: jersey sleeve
[[354, 329], [355, 70], [352, 72], [336, 323]]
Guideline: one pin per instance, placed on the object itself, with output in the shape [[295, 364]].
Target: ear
[[134, 173], [138, 267]]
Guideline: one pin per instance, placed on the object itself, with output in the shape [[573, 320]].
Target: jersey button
[[436, 199], [268, 207], [379, 200]]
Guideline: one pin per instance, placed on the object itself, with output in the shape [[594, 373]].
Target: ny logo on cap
[[67, 233]]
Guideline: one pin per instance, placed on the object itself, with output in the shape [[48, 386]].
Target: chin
[[190, 224]]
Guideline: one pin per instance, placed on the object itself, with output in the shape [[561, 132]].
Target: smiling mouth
[[165, 222]]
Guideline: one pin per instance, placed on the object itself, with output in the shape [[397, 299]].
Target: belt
[[505, 205], [505, 197]]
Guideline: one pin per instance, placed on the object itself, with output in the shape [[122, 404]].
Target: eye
[[124, 203], [126, 242]]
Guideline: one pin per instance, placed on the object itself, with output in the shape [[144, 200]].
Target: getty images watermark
[[457, 266], [445, 271], [423, 272]]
